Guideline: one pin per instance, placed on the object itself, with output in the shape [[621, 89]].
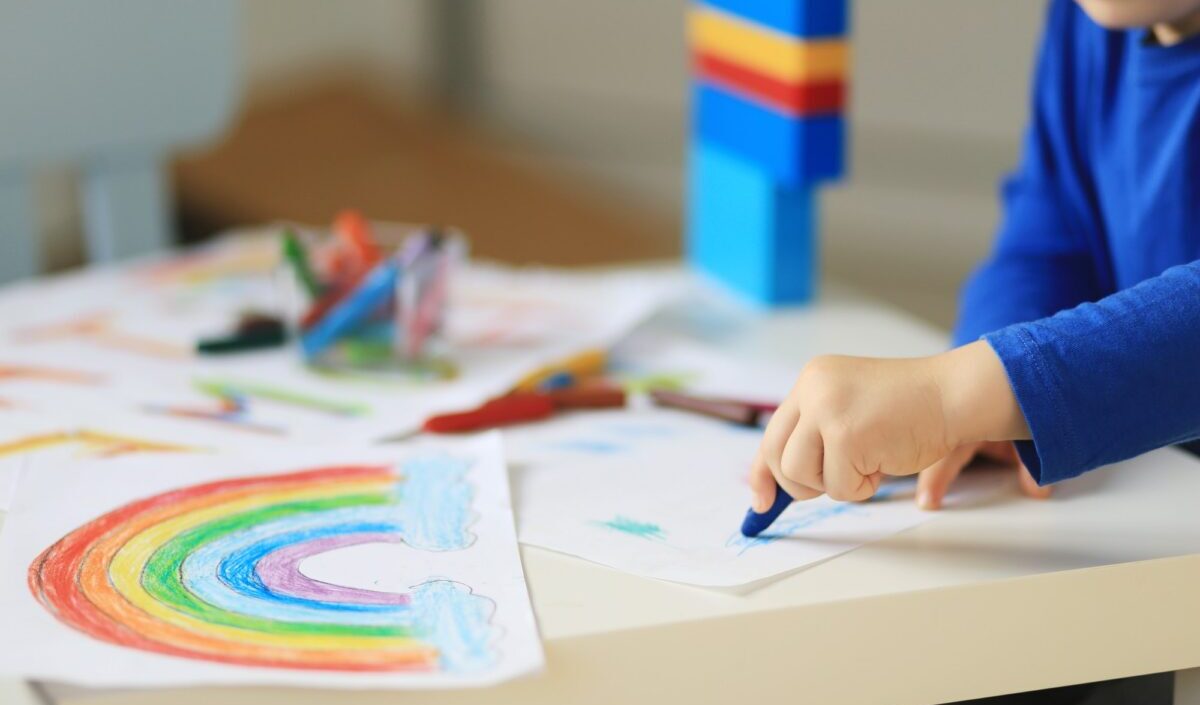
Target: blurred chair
[[110, 87]]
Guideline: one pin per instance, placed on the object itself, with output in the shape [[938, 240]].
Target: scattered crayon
[[255, 331], [755, 523], [355, 231], [260, 338], [375, 290], [588, 363], [293, 252], [738, 412], [524, 407]]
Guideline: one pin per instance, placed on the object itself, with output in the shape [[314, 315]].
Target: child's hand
[[849, 421], [936, 479]]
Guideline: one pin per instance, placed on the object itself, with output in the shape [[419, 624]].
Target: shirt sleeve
[[1109, 380], [1041, 262]]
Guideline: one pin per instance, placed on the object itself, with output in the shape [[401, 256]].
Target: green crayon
[[294, 252]]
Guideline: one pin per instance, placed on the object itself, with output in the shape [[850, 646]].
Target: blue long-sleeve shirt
[[1091, 297]]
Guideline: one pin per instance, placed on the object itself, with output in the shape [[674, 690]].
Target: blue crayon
[[376, 289], [556, 381], [755, 523]]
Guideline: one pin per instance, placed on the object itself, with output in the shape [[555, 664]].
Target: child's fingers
[[935, 480], [775, 438], [1029, 486], [1000, 452], [762, 485], [843, 481], [803, 456], [795, 490]]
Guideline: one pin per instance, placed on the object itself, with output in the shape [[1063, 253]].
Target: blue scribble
[[458, 622], [788, 527], [641, 430], [590, 446], [614, 438], [632, 527], [436, 510]]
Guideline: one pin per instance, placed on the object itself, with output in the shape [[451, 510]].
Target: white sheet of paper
[[502, 324], [379, 568], [662, 494], [702, 369]]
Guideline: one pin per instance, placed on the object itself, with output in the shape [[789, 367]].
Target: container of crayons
[[373, 296]]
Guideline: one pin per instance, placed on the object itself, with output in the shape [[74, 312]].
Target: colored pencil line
[[223, 388], [98, 329], [235, 419], [205, 266], [32, 443], [47, 374], [103, 444]]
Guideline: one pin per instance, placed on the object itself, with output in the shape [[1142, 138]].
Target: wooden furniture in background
[[338, 145]]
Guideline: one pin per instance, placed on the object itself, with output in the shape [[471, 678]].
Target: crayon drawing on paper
[[213, 572]]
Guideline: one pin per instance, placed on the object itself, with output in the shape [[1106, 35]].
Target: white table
[[1010, 595]]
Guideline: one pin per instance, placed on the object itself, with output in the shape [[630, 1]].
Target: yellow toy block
[[765, 50]]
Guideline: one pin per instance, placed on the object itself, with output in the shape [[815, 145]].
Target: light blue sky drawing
[[783, 528], [632, 527]]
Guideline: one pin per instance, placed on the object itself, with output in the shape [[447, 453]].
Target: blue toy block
[[796, 151], [799, 18], [749, 232]]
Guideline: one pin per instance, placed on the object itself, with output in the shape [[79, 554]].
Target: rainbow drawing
[[242, 257], [212, 572], [91, 443], [46, 374], [99, 329], [233, 412]]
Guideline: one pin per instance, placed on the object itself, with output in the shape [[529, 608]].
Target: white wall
[[285, 41]]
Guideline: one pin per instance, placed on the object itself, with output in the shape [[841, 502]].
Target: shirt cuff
[[1054, 453]]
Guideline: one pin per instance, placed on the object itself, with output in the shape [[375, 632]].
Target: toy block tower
[[768, 95]]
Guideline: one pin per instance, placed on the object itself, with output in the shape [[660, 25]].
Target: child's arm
[[1043, 260], [1098, 383]]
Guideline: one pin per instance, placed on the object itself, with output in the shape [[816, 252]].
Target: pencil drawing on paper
[[613, 438], [633, 527], [213, 572], [588, 446], [29, 373], [89, 444], [227, 389], [790, 526], [101, 330], [232, 412]]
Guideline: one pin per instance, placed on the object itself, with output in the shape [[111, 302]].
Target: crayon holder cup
[[379, 299]]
